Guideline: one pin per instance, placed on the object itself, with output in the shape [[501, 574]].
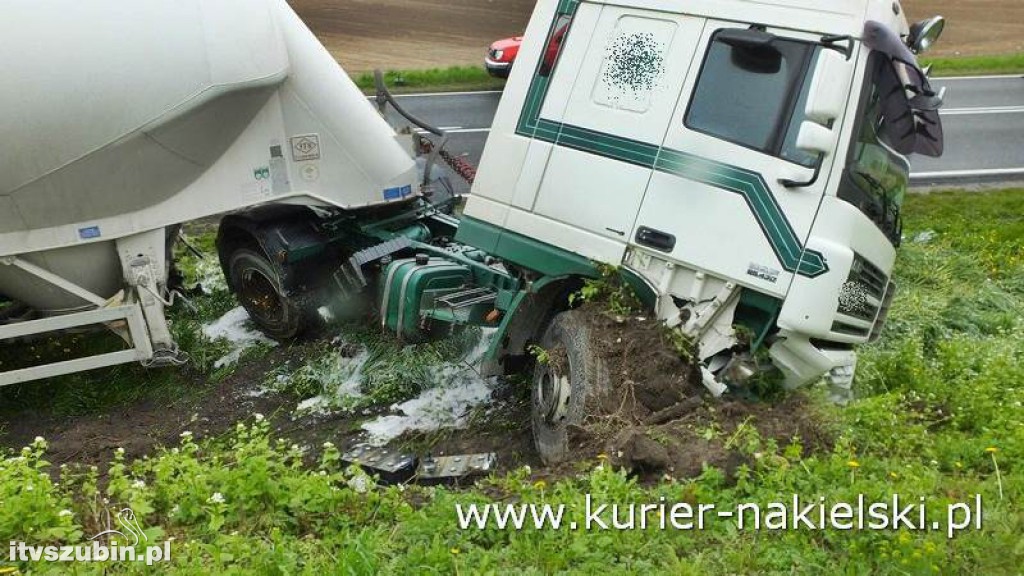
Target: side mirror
[[925, 33], [828, 93], [816, 139]]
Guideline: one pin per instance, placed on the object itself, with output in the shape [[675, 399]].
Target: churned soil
[[655, 417]]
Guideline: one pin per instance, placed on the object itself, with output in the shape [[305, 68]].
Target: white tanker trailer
[[123, 119]]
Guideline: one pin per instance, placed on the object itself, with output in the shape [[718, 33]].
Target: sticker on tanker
[[305, 147]]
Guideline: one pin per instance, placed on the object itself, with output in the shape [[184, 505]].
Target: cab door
[[612, 95], [716, 199]]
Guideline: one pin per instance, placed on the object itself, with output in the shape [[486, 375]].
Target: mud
[[656, 418], [211, 409]]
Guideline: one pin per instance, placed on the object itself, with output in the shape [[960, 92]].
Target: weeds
[[369, 368], [937, 396], [609, 289]]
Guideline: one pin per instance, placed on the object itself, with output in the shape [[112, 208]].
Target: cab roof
[[839, 17]]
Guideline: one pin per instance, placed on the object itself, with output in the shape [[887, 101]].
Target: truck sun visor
[[915, 112]]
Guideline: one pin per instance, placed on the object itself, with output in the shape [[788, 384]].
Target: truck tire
[[256, 283], [562, 384]]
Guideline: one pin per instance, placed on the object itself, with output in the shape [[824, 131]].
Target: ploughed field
[[417, 34]]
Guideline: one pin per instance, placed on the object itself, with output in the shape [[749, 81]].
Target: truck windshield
[[876, 177]]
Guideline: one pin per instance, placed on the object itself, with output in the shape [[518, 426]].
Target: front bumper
[[497, 69], [802, 363]]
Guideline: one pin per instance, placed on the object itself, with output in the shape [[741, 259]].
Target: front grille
[[840, 327], [883, 314], [861, 300], [867, 274], [862, 293]]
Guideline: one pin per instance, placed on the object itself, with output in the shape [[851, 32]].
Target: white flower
[[39, 441], [186, 434], [328, 445], [139, 484], [360, 483], [119, 451], [175, 510], [527, 469], [217, 498], [258, 417], [64, 513], [29, 488]]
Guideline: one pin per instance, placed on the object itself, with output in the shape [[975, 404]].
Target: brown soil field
[[412, 34], [416, 34], [974, 27]]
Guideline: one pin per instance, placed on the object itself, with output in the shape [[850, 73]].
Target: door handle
[[651, 238]]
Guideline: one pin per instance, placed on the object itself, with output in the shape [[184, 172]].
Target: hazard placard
[[305, 147]]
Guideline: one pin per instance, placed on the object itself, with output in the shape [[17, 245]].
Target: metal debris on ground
[[393, 467], [452, 469], [390, 466]]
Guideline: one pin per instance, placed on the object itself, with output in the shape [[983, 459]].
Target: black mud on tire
[[256, 283], [574, 363]]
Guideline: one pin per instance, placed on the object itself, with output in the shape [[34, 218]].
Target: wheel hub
[[553, 396], [259, 293]]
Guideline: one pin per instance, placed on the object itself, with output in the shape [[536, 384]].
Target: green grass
[[470, 78], [454, 78], [939, 415], [977, 65]]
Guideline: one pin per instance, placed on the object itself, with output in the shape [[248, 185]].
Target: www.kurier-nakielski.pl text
[[795, 513]]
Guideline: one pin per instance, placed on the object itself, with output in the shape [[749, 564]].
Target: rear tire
[[256, 283], [563, 384]]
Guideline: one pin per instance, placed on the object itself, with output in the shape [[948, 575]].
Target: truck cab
[[746, 160]]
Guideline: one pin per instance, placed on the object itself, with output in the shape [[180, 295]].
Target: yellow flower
[[853, 464], [991, 449], [602, 456], [540, 484], [455, 550], [893, 475]]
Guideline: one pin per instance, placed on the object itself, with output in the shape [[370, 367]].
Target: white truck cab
[[746, 159]]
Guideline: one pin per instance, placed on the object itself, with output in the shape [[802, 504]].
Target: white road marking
[[968, 173], [458, 130], [980, 111], [942, 79]]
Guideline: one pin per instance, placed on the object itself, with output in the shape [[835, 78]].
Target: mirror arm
[[829, 42], [791, 184]]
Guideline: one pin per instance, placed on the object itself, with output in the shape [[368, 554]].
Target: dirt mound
[[655, 417]]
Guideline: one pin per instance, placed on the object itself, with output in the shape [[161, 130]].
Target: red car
[[500, 56], [503, 53]]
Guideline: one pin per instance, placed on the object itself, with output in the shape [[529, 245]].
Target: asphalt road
[[983, 118]]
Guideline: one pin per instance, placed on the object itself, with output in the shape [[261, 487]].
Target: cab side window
[[553, 47], [754, 95]]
